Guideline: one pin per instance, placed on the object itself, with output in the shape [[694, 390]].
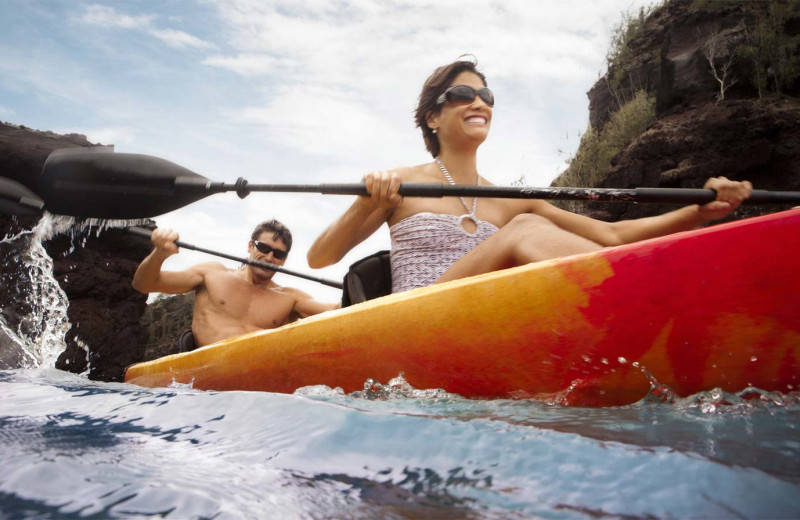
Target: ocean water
[[75, 448]]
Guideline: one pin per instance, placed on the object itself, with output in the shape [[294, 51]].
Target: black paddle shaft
[[249, 261], [638, 195], [101, 184]]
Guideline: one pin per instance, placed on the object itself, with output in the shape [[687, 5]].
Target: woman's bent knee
[[527, 224], [532, 238]]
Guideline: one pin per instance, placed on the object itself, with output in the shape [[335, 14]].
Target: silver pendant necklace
[[471, 213]]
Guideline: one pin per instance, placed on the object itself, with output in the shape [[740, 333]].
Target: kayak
[[717, 307]]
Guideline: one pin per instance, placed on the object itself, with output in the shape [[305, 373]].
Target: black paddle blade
[[85, 183], [16, 199]]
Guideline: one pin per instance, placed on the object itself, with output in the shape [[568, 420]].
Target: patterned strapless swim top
[[425, 245]]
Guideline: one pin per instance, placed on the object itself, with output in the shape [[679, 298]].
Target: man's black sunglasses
[[263, 248], [463, 94]]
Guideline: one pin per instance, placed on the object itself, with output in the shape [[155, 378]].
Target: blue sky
[[298, 92]]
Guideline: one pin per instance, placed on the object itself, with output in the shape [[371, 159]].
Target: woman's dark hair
[[434, 87], [278, 231]]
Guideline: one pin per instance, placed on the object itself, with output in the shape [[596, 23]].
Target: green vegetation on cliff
[[592, 161]]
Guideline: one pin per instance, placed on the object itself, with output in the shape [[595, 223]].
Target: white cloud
[[108, 17], [245, 64], [178, 39], [104, 16], [320, 120], [539, 56]]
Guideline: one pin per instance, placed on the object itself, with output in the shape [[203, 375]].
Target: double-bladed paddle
[[102, 184], [16, 199]]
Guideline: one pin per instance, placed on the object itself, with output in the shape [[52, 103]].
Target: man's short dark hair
[[278, 231]]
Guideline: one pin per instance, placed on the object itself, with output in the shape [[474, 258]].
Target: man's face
[[266, 249]]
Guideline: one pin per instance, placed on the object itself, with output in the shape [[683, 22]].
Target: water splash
[[374, 390], [35, 317], [34, 322], [398, 388], [717, 401]]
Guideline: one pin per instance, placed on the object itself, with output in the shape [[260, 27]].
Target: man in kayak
[[437, 240], [229, 302]]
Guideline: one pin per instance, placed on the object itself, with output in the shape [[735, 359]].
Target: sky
[[308, 91]]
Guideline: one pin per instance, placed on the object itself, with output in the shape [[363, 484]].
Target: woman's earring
[[433, 130]]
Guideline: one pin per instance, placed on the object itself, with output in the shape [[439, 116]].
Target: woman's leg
[[527, 238]]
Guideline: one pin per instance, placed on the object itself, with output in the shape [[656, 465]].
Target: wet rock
[[104, 311]]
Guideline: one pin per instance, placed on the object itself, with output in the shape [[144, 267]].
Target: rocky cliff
[[104, 311], [750, 132]]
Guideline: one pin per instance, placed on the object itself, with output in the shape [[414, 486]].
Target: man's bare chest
[[237, 298]]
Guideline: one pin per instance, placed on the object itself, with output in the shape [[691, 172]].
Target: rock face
[[165, 319], [743, 136], [104, 310], [738, 139]]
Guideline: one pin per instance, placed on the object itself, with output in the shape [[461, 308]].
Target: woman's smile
[[476, 119]]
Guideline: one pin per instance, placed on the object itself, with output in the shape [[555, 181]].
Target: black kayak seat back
[[186, 342], [368, 278]]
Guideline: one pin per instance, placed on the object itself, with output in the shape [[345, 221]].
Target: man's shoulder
[[210, 267]]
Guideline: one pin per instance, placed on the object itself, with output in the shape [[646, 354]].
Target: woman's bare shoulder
[[418, 173]]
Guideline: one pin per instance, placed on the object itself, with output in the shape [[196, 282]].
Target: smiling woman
[[437, 240]]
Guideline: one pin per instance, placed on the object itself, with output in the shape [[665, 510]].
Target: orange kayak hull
[[717, 307]]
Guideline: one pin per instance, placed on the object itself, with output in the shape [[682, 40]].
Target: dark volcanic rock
[[738, 139], [745, 136], [165, 319], [104, 310], [669, 61], [10, 356]]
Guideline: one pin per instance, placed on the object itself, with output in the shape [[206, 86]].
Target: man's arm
[[150, 278]]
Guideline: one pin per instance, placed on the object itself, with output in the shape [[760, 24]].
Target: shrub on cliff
[[620, 53], [592, 161], [771, 50], [769, 53]]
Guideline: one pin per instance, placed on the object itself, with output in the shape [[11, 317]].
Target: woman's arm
[[730, 195], [360, 220], [306, 306]]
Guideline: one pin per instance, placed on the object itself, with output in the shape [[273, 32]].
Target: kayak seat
[[368, 278], [186, 341]]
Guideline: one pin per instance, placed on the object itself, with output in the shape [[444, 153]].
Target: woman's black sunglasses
[[280, 254], [463, 94]]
